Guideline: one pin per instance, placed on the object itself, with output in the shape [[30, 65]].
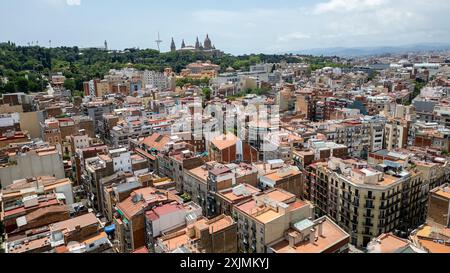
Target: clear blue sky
[[235, 26]]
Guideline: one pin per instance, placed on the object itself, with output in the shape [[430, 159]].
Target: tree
[[22, 85], [70, 84], [206, 93], [10, 87], [77, 94]]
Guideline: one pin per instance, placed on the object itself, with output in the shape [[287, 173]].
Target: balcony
[[369, 197], [367, 233]]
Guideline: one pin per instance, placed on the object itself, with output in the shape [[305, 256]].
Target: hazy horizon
[[234, 26]]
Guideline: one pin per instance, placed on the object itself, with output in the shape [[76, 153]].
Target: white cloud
[[73, 2], [348, 5], [330, 23], [61, 3], [293, 36]]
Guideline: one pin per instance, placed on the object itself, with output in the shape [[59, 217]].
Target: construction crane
[[158, 43]]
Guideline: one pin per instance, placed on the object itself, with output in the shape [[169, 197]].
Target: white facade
[[81, 142], [31, 165], [169, 221], [153, 79], [121, 160], [91, 88], [67, 191]]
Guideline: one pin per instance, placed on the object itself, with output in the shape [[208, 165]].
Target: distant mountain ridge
[[370, 51]]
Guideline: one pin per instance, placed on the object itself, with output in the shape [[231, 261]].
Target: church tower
[[197, 44], [208, 43], [106, 45], [173, 48], [183, 44]]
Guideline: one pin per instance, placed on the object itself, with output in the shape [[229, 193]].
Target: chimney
[[291, 241], [312, 236], [321, 229]]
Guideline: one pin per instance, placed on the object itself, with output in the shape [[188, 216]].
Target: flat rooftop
[[332, 235], [200, 173], [443, 191], [268, 216], [232, 197], [387, 243], [82, 221], [175, 242]]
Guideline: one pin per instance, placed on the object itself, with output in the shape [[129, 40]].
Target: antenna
[[158, 43]]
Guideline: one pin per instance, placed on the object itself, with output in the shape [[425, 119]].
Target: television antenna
[[158, 42]]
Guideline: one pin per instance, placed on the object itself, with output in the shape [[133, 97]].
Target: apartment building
[[166, 218], [82, 234], [129, 217], [281, 145], [396, 133], [204, 182], [153, 79], [230, 197], [439, 206], [319, 236], [31, 162], [195, 184], [264, 219], [229, 148], [115, 189], [389, 243], [277, 174], [95, 169], [432, 136], [364, 201], [221, 177], [216, 235], [181, 161], [433, 236], [121, 160], [32, 212], [83, 153], [95, 110], [354, 134]]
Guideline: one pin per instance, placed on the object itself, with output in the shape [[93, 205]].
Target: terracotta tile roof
[[82, 221], [434, 247], [156, 141], [388, 243], [224, 141], [149, 196], [142, 250]]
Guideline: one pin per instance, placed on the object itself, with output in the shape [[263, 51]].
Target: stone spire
[[183, 44], [173, 48], [197, 44]]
